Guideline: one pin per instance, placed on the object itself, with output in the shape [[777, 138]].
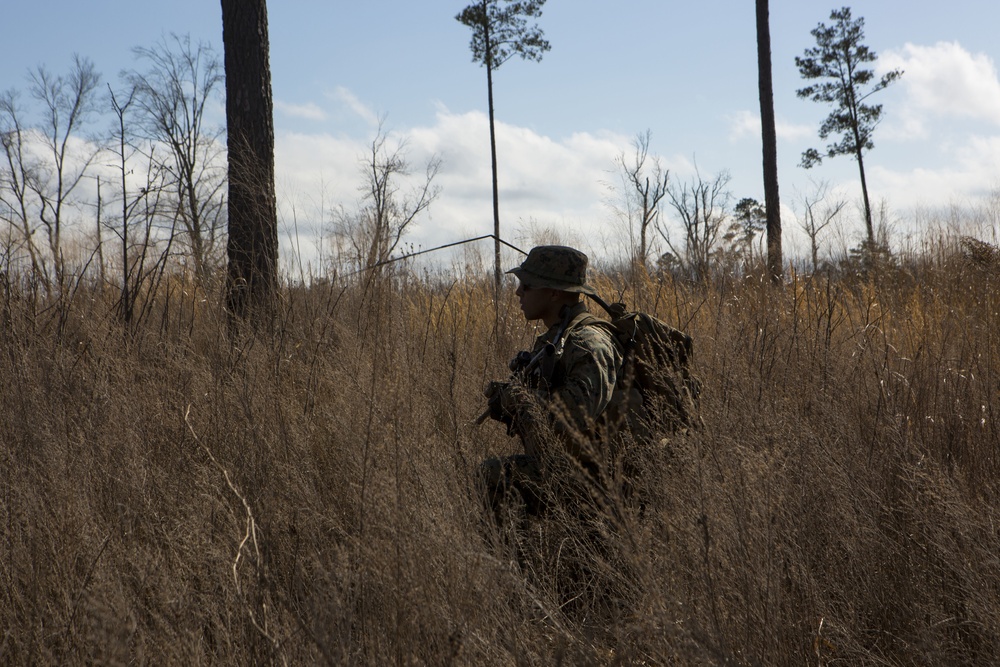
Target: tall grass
[[306, 496]]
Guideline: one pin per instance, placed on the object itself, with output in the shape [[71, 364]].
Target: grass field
[[305, 495]]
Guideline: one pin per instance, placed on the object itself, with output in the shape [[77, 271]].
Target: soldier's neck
[[555, 317]]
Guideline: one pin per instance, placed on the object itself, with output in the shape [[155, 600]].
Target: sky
[[684, 71]]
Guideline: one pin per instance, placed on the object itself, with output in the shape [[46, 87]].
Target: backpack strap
[[590, 320]]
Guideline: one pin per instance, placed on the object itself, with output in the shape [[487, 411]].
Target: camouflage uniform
[[558, 416], [580, 388]]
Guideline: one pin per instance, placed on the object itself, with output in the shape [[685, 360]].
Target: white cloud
[[946, 80], [558, 184], [304, 161], [972, 172], [745, 123], [544, 183], [359, 108], [310, 111], [793, 132]]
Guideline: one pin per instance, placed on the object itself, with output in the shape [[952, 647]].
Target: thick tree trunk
[[253, 228], [772, 204]]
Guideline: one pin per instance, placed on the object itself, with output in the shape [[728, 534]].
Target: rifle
[[542, 362]]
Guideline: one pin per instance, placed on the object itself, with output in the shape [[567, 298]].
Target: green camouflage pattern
[[556, 267], [581, 388], [557, 422]]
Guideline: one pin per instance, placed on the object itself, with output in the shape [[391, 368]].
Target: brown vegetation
[[169, 496]]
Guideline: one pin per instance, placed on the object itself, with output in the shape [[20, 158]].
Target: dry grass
[[305, 497]]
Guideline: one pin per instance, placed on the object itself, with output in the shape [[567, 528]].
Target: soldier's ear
[[567, 298]]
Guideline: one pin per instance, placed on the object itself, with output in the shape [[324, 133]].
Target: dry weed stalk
[[249, 538]]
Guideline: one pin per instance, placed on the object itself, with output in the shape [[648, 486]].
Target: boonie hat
[[556, 267]]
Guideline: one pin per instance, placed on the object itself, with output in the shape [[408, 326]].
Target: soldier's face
[[538, 303]]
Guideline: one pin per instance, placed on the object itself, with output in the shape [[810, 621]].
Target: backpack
[[657, 360]]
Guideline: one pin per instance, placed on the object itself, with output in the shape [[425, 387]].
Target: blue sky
[[686, 71]]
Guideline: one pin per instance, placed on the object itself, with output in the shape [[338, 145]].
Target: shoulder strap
[[590, 320]]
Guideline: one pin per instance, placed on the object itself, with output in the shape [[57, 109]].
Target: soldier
[[558, 392]]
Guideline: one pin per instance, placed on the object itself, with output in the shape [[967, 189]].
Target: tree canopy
[[500, 31], [837, 64]]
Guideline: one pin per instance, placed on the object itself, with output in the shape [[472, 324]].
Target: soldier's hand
[[493, 388], [494, 392]]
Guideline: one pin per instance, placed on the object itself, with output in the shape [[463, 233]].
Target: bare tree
[[140, 209], [385, 214], [67, 102], [703, 209], [171, 104], [16, 202], [645, 182], [817, 214], [253, 217], [44, 165]]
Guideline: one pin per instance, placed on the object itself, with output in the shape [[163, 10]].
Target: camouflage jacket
[[581, 387]]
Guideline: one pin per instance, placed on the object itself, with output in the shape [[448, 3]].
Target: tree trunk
[[769, 139], [497, 270], [869, 227], [253, 227], [647, 219]]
